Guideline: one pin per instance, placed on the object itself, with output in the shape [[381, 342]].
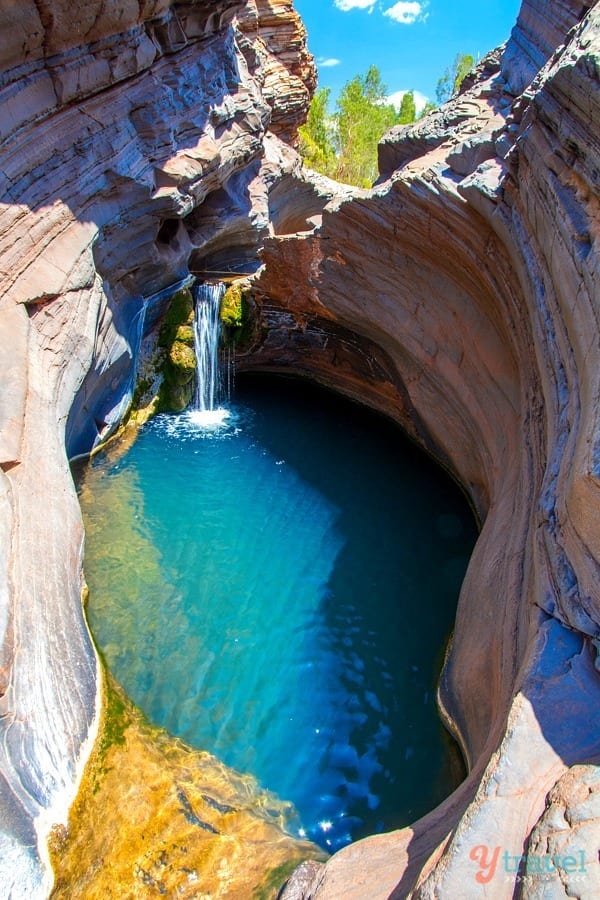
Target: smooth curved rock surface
[[118, 120], [460, 297], [480, 288]]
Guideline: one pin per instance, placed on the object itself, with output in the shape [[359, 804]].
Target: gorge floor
[[278, 590]]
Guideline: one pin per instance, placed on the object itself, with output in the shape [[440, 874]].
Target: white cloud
[[406, 11], [328, 63], [420, 100], [345, 5]]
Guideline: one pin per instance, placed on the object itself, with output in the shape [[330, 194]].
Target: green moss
[[178, 364], [180, 312], [166, 380], [115, 723], [143, 393], [167, 383], [232, 305], [185, 335], [236, 315], [174, 397], [181, 366], [274, 880], [141, 388]]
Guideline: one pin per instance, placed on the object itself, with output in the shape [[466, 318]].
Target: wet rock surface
[[118, 121], [459, 297], [190, 827], [478, 277]]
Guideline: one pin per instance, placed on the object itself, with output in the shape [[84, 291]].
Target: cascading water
[[207, 332]]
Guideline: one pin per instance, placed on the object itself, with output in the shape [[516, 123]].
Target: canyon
[[146, 142]]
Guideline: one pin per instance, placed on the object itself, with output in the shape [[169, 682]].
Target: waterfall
[[207, 332]]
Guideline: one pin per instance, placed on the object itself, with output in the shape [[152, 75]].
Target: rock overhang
[[472, 321]]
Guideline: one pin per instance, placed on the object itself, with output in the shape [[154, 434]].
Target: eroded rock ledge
[[119, 121], [459, 296], [473, 269]]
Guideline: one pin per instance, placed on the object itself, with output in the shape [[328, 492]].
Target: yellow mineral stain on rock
[[154, 817]]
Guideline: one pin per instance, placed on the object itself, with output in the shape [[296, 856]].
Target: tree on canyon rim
[[408, 109], [449, 84], [317, 136], [343, 144]]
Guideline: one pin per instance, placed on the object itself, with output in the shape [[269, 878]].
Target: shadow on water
[[387, 609], [283, 597]]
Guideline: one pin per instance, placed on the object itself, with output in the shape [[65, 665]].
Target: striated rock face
[[471, 119], [459, 296], [541, 28], [119, 122], [277, 57]]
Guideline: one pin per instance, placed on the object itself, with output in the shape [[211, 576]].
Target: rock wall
[[469, 281], [275, 49], [118, 121], [541, 28], [144, 140]]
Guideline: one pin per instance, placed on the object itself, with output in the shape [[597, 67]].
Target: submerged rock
[[118, 123], [156, 818], [459, 297]]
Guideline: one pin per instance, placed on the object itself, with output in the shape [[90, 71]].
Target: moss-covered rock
[[176, 364], [166, 367], [180, 312], [175, 397], [236, 315], [181, 367], [232, 304], [185, 335]]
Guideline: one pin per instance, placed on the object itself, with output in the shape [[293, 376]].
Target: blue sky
[[411, 41]]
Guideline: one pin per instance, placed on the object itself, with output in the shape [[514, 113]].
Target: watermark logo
[[492, 859], [487, 860]]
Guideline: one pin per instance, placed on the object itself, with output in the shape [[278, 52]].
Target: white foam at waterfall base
[[194, 425], [209, 418]]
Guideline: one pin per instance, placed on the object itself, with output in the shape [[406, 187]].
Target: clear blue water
[[279, 592]]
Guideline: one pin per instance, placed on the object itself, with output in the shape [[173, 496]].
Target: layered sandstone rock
[[541, 28], [275, 49], [460, 297], [118, 121], [142, 140]]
